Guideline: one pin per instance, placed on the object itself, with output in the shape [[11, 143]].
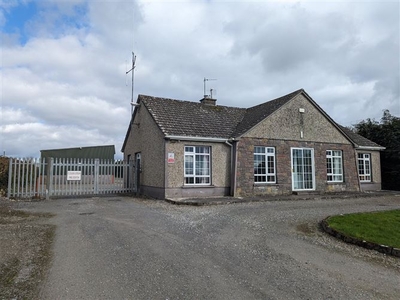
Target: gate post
[[96, 176], [49, 181], [130, 175], [9, 178]]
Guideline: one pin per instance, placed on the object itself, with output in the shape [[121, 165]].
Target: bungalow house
[[286, 145]]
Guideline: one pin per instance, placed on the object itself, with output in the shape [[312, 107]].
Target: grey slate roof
[[358, 139], [193, 119], [185, 118], [256, 114]]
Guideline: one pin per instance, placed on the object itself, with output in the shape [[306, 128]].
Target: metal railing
[[50, 177]]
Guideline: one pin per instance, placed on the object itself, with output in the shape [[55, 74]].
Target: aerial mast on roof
[[133, 77], [206, 79]]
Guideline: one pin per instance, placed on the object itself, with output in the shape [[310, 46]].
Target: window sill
[[335, 182], [198, 186], [264, 183]]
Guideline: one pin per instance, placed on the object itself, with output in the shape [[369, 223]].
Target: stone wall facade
[[245, 185]]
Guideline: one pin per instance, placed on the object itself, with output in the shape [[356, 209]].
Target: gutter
[[195, 138], [370, 148]]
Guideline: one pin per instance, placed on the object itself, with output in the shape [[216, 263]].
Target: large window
[[264, 164], [334, 168], [364, 167], [197, 165]]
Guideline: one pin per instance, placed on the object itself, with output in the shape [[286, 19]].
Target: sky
[[63, 63]]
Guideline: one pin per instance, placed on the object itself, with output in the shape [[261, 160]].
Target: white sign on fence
[[74, 175]]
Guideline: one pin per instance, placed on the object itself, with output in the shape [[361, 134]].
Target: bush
[[4, 165]]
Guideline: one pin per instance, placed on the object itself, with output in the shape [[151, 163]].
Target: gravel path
[[124, 248]]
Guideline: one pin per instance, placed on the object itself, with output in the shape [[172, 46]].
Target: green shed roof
[[101, 152]]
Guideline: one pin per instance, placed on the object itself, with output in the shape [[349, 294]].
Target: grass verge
[[378, 227], [25, 252]]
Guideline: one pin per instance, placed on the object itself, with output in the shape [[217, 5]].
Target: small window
[[197, 165], [364, 167], [334, 166], [264, 164]]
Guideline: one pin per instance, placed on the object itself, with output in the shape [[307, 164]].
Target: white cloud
[[66, 85]]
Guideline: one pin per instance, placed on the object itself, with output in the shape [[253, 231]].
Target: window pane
[[271, 165], [259, 149], [197, 166], [329, 165], [264, 164], [367, 167], [202, 150], [270, 178], [188, 164], [364, 166]]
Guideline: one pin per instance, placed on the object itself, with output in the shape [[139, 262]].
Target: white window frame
[[364, 160], [298, 176], [194, 171], [267, 155], [333, 173]]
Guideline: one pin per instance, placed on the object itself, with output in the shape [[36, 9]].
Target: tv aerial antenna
[[133, 77], [205, 80]]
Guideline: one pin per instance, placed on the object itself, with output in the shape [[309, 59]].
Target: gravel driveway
[[124, 248]]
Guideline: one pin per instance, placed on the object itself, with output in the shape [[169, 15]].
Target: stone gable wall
[[287, 122], [145, 137]]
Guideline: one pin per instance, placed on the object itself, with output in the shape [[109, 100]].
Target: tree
[[387, 134]]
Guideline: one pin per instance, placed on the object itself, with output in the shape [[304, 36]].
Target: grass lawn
[[379, 227]]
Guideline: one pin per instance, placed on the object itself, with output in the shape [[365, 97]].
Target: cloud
[[63, 81]]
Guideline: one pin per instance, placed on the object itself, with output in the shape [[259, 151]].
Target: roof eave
[[136, 105], [196, 138], [370, 147]]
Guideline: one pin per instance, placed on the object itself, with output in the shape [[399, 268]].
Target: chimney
[[208, 101]]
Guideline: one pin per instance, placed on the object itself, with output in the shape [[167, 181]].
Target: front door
[[303, 169]]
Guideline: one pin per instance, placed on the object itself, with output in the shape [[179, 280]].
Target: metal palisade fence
[[57, 177]]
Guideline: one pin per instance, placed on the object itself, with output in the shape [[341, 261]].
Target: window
[[334, 167], [364, 167], [264, 164], [197, 165]]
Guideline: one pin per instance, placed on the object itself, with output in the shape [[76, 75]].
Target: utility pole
[[133, 77]]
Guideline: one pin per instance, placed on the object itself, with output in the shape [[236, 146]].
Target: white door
[[303, 174]]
